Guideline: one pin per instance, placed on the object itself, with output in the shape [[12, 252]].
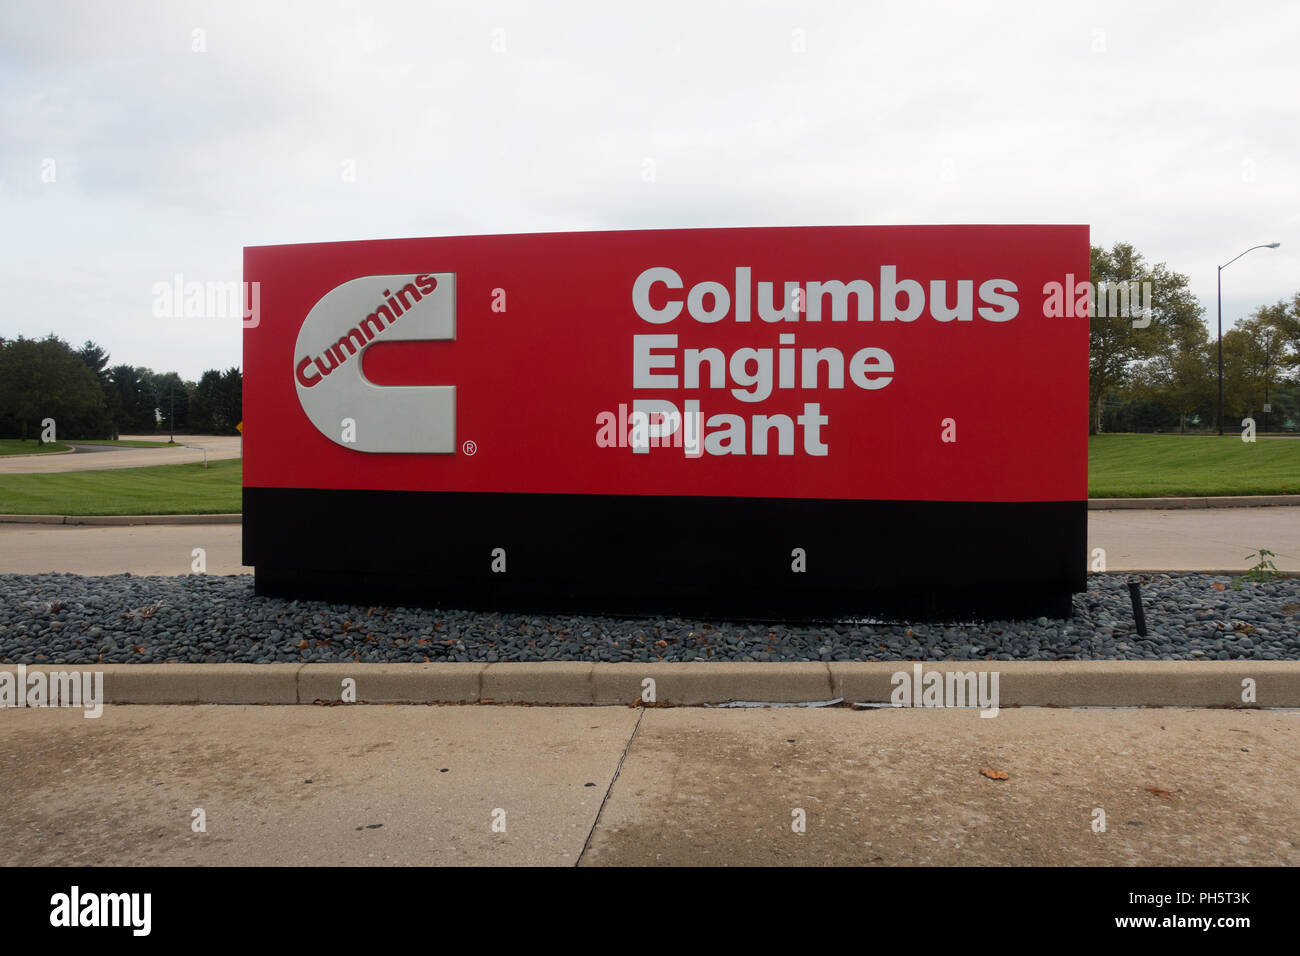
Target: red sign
[[920, 363]]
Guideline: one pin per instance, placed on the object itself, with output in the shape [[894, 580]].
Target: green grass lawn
[[1120, 466], [12, 446], [1145, 466], [159, 490]]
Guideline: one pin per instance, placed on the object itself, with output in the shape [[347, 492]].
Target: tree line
[[1156, 375], [88, 398], [1164, 376]]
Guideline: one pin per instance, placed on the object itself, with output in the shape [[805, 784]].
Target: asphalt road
[[99, 457]]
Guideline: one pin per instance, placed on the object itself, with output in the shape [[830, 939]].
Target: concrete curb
[[119, 520], [1160, 504], [1099, 683], [1020, 683], [389, 683]]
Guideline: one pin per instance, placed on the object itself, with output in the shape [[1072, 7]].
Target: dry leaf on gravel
[[995, 774]]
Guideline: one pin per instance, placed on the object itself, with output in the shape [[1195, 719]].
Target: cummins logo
[[340, 401]]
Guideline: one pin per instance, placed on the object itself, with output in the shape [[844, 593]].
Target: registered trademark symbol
[[469, 448]]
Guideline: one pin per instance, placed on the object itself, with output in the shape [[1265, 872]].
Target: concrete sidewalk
[[1181, 540], [608, 786]]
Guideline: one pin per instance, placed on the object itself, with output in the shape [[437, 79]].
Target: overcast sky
[[128, 156]]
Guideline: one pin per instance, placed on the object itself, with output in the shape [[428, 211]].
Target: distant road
[[140, 549], [1210, 539], [1205, 539], [96, 457]]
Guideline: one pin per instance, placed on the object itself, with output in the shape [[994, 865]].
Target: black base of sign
[[635, 555]]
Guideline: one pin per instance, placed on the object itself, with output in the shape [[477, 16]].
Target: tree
[[134, 399], [1252, 349], [45, 378], [1116, 347], [1284, 317], [217, 405], [96, 359], [1285, 415], [1182, 377], [172, 392]]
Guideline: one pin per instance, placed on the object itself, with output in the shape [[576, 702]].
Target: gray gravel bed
[[70, 619]]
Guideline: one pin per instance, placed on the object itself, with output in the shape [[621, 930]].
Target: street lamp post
[[1267, 245], [1268, 374]]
